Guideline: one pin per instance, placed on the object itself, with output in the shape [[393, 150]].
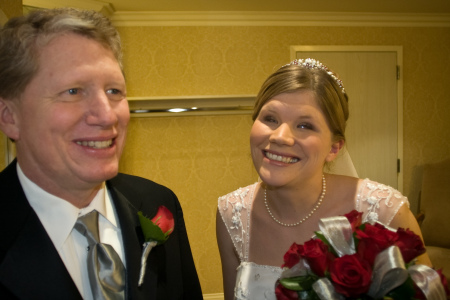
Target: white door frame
[[350, 48]]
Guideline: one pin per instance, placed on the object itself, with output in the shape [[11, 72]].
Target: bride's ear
[[8, 119], [335, 149]]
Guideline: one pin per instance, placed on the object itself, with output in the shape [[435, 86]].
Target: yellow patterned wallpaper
[[201, 158], [11, 8]]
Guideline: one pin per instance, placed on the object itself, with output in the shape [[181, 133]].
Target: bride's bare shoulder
[[343, 181]]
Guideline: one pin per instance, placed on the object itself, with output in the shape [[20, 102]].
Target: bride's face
[[290, 139]]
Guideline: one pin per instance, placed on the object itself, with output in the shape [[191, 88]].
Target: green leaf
[[151, 231], [299, 283], [404, 291], [355, 240]]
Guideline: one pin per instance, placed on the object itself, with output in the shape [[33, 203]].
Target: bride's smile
[[290, 139]]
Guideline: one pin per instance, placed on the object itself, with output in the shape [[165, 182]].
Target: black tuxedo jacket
[[31, 268]]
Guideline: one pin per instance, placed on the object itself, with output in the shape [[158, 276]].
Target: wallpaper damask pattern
[[11, 8], [201, 158]]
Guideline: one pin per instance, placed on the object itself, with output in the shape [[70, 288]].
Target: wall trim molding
[[250, 18], [217, 296], [190, 105], [162, 18], [100, 6]]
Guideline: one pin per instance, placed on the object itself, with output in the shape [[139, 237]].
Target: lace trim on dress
[[232, 207], [378, 202]]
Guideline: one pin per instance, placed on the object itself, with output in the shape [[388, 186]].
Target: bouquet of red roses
[[350, 260]]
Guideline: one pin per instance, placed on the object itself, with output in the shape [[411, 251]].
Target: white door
[[374, 129]]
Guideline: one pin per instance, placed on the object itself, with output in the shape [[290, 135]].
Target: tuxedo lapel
[[133, 240], [29, 263], [32, 266]]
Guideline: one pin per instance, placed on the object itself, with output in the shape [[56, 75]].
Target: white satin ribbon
[[338, 232], [148, 246], [325, 290], [389, 272], [300, 269], [428, 281]]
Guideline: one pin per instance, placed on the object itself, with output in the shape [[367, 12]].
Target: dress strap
[[235, 209], [378, 202]]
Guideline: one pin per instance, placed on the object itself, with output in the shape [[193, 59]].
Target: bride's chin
[[272, 180]]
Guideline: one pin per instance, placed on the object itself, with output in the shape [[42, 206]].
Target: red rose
[[355, 218], [164, 219], [418, 293], [444, 282], [374, 239], [283, 293], [316, 253], [350, 275], [292, 256], [410, 244]]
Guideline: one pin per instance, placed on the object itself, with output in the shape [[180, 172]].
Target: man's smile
[[96, 144]]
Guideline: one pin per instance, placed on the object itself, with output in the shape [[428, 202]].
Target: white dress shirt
[[58, 218]]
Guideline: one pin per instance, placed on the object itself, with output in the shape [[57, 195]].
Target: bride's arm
[[405, 219], [228, 256]]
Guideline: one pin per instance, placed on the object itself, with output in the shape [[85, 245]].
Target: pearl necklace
[[319, 202]]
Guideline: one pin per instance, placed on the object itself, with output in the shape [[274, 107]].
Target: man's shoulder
[[9, 172], [127, 180]]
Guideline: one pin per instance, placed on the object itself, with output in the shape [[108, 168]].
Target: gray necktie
[[105, 268]]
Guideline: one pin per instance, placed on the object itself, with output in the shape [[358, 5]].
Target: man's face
[[72, 117]]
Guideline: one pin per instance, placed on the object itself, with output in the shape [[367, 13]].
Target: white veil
[[342, 165]]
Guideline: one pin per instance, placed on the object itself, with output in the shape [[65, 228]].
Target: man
[[63, 103]]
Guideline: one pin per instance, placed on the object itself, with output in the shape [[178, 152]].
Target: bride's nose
[[282, 135]]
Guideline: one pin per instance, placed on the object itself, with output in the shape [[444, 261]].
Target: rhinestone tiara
[[310, 63]]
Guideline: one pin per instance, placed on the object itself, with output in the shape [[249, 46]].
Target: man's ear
[[8, 119], [334, 151]]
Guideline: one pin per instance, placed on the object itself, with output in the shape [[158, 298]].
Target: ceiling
[[365, 6]]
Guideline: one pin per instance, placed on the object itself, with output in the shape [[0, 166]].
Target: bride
[[299, 129]]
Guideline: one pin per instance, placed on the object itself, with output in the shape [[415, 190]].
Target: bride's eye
[[269, 119], [305, 126]]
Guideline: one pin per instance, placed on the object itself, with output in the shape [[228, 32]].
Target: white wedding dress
[[378, 202]]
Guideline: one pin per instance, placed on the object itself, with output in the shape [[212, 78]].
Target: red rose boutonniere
[[156, 232]]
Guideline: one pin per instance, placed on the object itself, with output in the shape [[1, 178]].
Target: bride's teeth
[[96, 144], [287, 160]]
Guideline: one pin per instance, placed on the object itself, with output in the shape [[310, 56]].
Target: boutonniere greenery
[[156, 232]]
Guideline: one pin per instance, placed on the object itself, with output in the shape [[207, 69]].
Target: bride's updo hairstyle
[[309, 75]]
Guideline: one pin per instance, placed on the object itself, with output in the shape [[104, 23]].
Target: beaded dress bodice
[[376, 201]]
